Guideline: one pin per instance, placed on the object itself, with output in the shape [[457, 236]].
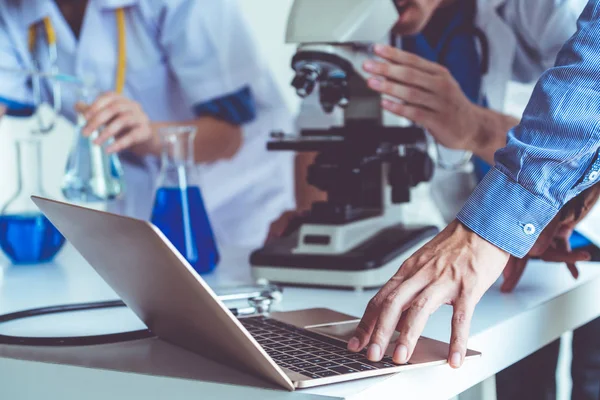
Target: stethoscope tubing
[[70, 340], [91, 340]]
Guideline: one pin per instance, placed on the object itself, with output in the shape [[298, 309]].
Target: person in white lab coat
[[451, 78], [184, 62]]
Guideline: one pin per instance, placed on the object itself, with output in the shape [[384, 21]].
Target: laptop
[[297, 349]]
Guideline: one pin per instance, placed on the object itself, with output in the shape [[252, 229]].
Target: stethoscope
[[260, 301], [45, 25]]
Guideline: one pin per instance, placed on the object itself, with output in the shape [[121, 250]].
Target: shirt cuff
[[236, 108], [16, 108], [506, 214]]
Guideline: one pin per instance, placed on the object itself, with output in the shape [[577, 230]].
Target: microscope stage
[[368, 265]]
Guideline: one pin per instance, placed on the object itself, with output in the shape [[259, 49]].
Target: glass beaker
[[26, 235], [179, 210], [92, 175]]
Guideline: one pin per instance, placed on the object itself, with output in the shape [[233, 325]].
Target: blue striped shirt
[[552, 155]]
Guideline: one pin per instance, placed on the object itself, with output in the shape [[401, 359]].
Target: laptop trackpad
[[312, 317], [427, 350]]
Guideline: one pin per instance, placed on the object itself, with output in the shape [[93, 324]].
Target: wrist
[[475, 241], [152, 145], [480, 137], [490, 133]]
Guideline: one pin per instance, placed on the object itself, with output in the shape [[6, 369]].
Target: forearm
[[306, 194], [215, 139], [551, 156], [492, 129]]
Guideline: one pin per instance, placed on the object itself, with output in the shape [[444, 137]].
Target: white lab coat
[[179, 53], [524, 38]]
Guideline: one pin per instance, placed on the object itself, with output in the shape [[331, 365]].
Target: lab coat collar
[[114, 4]]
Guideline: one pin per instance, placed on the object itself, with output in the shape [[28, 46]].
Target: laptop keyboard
[[308, 353]]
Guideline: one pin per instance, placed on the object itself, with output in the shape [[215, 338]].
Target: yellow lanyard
[[121, 45]]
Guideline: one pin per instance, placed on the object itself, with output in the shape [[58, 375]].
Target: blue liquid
[[190, 232], [29, 238]]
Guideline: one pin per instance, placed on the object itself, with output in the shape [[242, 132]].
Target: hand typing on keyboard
[[308, 353]]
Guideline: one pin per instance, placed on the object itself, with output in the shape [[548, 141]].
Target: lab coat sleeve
[[14, 92], [209, 48], [542, 27]]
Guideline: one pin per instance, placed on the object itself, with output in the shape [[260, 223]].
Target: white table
[[506, 328]]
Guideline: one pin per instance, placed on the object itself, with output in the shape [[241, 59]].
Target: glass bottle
[[26, 235], [179, 210], [91, 175]]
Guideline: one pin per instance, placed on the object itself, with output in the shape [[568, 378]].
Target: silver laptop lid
[[159, 286]]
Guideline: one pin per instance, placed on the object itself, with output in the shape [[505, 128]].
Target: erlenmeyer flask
[[26, 235], [92, 175], [179, 210]]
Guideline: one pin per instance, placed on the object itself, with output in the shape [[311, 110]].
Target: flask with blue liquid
[[179, 210], [26, 235]]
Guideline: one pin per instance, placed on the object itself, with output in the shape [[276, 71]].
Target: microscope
[[356, 239]]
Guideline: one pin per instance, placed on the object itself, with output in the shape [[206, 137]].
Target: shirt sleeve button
[[594, 175], [529, 229]]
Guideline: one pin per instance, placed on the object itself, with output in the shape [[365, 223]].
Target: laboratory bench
[[506, 328]]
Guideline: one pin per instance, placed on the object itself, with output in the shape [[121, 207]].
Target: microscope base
[[369, 265]]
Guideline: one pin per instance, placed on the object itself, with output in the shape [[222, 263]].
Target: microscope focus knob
[[420, 167], [408, 171]]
